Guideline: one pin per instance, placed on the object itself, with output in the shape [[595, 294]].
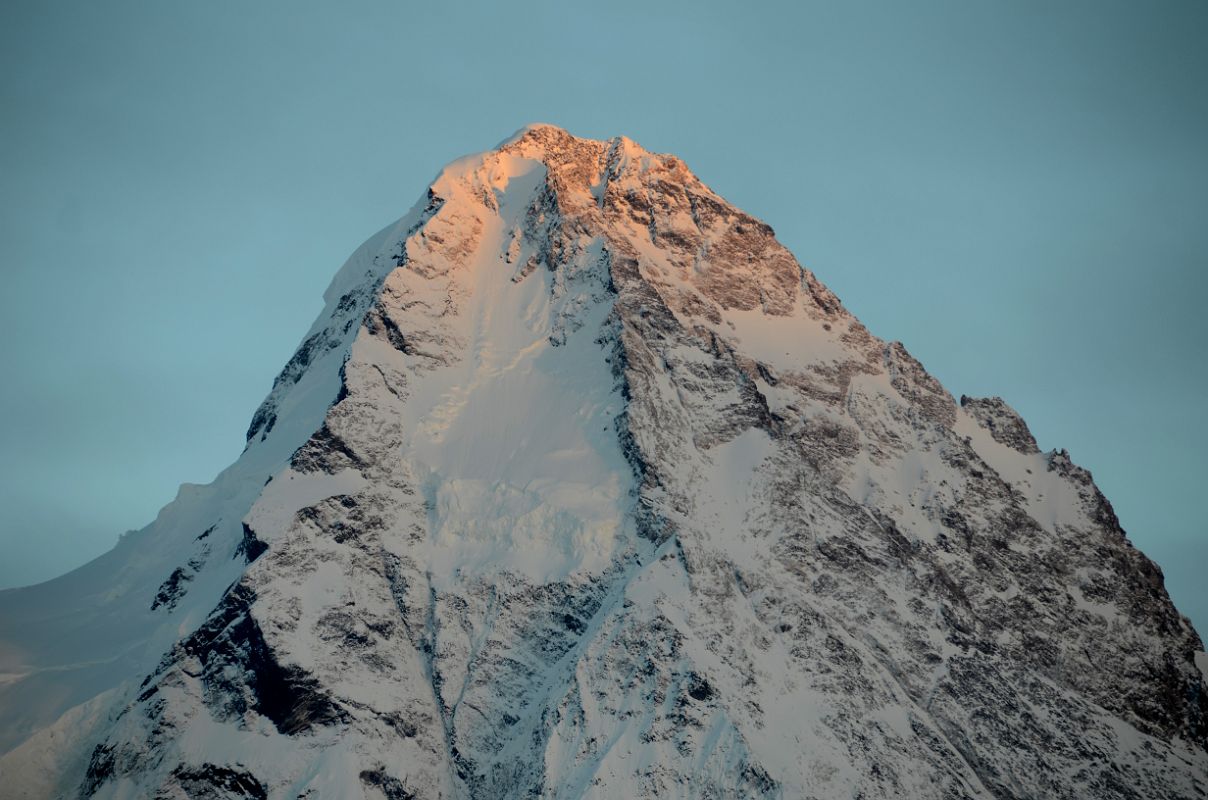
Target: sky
[[1017, 191]]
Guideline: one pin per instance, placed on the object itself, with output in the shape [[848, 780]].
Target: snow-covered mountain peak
[[529, 129], [580, 486]]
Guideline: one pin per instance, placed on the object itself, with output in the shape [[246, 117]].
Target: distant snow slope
[[581, 486]]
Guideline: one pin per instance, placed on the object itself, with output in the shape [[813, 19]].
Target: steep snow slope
[[581, 486]]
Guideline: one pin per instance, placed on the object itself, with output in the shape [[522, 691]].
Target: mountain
[[580, 486]]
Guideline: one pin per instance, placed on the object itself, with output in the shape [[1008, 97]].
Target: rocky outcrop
[[1006, 426]]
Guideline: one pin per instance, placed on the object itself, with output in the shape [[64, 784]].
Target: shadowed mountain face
[[581, 486]]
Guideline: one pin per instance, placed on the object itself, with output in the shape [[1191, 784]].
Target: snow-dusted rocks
[[1002, 422], [581, 486]]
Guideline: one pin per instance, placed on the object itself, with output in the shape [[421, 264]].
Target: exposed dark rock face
[[602, 495], [171, 589], [1001, 421], [217, 783], [250, 547]]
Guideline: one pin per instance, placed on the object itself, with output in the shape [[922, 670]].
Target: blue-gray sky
[[1018, 191]]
